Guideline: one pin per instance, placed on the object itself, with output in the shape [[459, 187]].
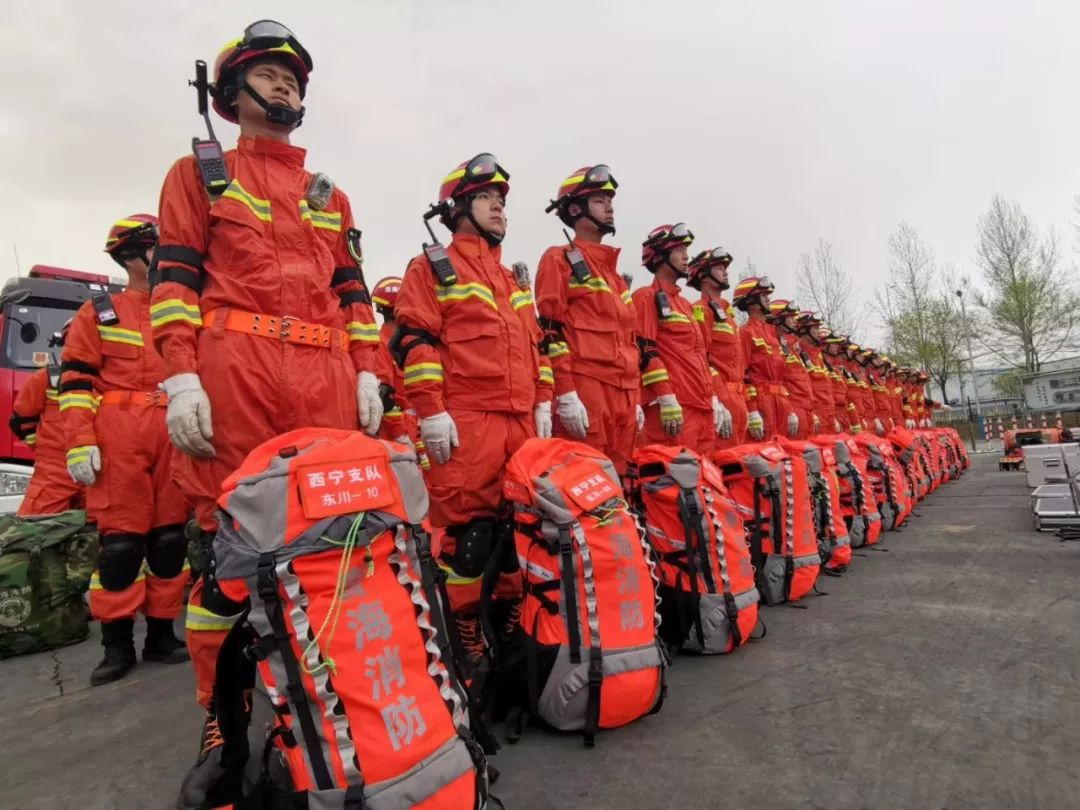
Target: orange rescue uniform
[[675, 362], [727, 364], [589, 336], [109, 398], [798, 383], [766, 369], [35, 419]]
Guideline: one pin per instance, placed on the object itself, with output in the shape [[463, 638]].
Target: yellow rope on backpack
[[334, 611]]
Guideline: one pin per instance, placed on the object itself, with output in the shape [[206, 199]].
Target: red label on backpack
[[328, 489], [772, 453], [589, 491]]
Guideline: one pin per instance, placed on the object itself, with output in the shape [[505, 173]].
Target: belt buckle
[[285, 325]]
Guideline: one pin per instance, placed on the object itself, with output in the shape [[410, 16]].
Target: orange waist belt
[[284, 329], [144, 399], [736, 387], [774, 389]]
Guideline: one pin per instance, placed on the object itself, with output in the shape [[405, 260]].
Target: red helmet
[[586, 181], [131, 237], [705, 261], [806, 320], [262, 38], [780, 308], [385, 294], [483, 171], [750, 289], [661, 241]]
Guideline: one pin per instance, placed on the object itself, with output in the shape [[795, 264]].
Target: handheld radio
[[436, 253], [208, 154], [577, 262]]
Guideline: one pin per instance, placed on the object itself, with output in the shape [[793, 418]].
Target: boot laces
[[211, 736], [513, 618], [471, 635]]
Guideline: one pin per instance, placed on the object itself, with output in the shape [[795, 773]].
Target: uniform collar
[[598, 252], [666, 286], [472, 246], [261, 145]]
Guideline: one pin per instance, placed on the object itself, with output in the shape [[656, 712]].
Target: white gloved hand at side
[[83, 462], [368, 402], [817, 424], [439, 434], [879, 428], [542, 418], [188, 415], [755, 425], [671, 415], [909, 424], [572, 415], [836, 424], [721, 418], [792, 425], [639, 416]]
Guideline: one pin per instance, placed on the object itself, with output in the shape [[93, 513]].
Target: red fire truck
[[32, 308]]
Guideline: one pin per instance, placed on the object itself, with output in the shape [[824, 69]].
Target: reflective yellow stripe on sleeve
[[522, 298], [547, 375], [557, 349], [363, 332], [655, 376], [174, 309], [327, 220], [423, 372], [78, 399]]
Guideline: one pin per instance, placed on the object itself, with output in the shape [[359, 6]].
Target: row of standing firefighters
[[246, 316]]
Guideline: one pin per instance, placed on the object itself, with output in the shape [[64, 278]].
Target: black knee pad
[[120, 560], [475, 543], [166, 550]]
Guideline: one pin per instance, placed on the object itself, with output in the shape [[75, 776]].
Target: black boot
[[161, 645], [119, 643], [209, 784]]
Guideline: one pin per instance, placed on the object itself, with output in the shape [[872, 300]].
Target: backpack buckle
[[596, 672]]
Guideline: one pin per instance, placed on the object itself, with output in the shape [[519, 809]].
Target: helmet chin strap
[[676, 270], [723, 285], [603, 227], [280, 114]]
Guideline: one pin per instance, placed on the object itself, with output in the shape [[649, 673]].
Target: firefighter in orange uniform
[[681, 407], [35, 418], [878, 392], [260, 311], [806, 323], [468, 344], [588, 320], [765, 366], [118, 447], [782, 313], [399, 420], [716, 318]]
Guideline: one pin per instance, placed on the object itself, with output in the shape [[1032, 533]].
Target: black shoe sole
[[177, 656], [101, 680]]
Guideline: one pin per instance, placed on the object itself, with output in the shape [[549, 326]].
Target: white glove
[[755, 425], [368, 402], [572, 415], [439, 435], [670, 414], [406, 440], [188, 415], [909, 424], [792, 424], [639, 417], [817, 424], [542, 417], [879, 427], [836, 424], [83, 462], [721, 418]]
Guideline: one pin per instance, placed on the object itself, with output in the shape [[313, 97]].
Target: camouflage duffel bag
[[45, 568]]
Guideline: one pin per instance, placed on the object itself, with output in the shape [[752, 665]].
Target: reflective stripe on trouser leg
[[206, 631]]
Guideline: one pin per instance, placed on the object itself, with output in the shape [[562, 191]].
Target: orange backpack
[[887, 479], [834, 545], [771, 485], [322, 531], [588, 655], [857, 503], [907, 449], [708, 599]]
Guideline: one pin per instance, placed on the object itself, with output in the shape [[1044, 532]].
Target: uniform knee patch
[[166, 550], [120, 560], [475, 543]]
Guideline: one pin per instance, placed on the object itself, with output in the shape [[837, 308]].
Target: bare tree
[[1030, 300], [923, 327], [825, 287], [749, 268]]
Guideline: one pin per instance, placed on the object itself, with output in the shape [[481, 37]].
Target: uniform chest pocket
[[476, 349], [120, 350], [237, 229]]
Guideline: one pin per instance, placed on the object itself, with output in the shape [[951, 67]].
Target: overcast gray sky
[[761, 124]]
